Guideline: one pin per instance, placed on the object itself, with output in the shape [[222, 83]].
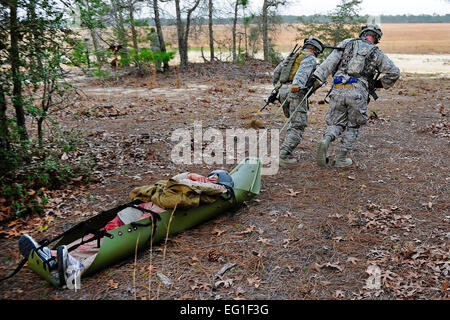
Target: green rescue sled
[[123, 240]]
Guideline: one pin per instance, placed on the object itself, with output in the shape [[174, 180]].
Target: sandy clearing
[[422, 63], [142, 92]]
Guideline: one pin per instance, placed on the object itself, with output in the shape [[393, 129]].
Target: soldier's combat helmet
[[223, 177], [371, 29], [316, 43]]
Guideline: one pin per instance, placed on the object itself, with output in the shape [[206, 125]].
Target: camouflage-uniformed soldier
[[353, 68], [290, 78]]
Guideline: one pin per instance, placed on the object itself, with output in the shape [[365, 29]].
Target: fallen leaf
[[217, 232], [292, 193], [319, 267], [239, 291], [254, 281], [444, 288], [164, 279], [194, 286], [205, 287], [333, 266], [316, 267], [77, 179], [339, 294], [429, 205], [112, 284], [352, 260], [248, 230], [288, 214], [263, 241], [226, 283], [286, 243]]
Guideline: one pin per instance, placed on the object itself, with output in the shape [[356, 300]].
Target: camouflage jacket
[[305, 69], [337, 63]]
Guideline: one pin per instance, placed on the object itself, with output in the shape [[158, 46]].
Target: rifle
[[295, 50], [326, 46], [372, 89], [270, 99]]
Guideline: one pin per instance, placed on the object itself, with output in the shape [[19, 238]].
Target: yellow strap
[[343, 86], [296, 64]]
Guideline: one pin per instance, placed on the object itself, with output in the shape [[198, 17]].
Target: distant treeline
[[423, 18]]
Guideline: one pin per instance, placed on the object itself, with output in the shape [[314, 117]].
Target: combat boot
[[342, 160], [322, 148], [286, 158]]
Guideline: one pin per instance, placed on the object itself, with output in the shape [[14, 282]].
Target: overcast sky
[[370, 7], [309, 7]]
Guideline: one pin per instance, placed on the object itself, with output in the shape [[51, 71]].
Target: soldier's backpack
[[292, 63], [355, 56]]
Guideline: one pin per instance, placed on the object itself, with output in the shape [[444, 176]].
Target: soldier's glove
[[295, 88], [378, 84], [314, 83]]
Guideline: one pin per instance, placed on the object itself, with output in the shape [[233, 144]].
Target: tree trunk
[[211, 36], [188, 24], [162, 44], [40, 132], [234, 31], [245, 31], [265, 27], [94, 38], [15, 71], [180, 34], [4, 142], [120, 29], [97, 53], [132, 26], [183, 32]]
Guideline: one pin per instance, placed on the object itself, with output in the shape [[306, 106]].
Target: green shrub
[[274, 56], [27, 170]]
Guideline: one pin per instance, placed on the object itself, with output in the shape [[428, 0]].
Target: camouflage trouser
[[346, 113], [299, 121]]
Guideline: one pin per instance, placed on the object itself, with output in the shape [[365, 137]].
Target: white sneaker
[[27, 244], [69, 269]]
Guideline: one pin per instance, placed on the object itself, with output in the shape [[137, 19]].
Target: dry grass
[[423, 38]]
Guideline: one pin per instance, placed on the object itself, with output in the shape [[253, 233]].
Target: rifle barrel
[[326, 46]]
